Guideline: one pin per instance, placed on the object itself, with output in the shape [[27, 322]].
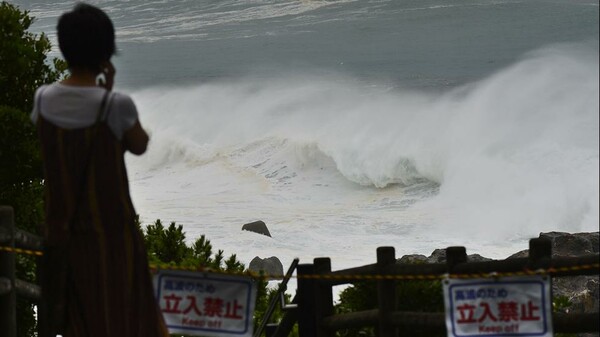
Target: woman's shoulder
[[41, 89], [121, 99], [59, 93], [62, 87], [123, 113], [122, 105]]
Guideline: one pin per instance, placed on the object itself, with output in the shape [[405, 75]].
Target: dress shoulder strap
[[103, 111]]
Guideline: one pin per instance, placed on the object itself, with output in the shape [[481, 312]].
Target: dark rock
[[270, 266], [583, 292], [477, 258], [257, 227], [565, 244], [521, 254], [412, 259], [439, 256]]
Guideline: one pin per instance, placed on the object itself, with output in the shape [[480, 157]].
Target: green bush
[[414, 296], [23, 67], [562, 304], [23, 59], [166, 246]]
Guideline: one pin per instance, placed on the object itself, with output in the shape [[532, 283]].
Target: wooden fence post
[[540, 256], [8, 301], [454, 256], [386, 292], [323, 295], [43, 324], [307, 325], [540, 253]]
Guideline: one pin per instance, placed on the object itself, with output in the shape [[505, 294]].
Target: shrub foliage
[[166, 246], [24, 66]]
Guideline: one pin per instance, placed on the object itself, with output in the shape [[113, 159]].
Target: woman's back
[[96, 279], [84, 169], [90, 217]]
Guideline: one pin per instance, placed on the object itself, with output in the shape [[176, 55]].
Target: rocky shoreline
[[579, 294], [582, 292]]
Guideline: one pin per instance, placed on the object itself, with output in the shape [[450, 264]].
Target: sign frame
[[245, 283], [542, 285]]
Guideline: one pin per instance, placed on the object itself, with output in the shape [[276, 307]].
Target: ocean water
[[348, 125]]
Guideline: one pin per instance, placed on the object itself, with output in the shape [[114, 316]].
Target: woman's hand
[[108, 70]]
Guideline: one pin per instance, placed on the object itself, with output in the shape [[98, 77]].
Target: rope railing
[[320, 277], [316, 315], [594, 268]]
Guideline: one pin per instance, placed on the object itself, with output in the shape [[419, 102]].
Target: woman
[[96, 280]]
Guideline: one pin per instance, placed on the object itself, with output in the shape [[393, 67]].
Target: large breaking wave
[[514, 154]]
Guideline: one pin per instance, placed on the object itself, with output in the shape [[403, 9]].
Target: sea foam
[[499, 159]]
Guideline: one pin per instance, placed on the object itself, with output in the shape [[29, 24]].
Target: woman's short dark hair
[[86, 37]]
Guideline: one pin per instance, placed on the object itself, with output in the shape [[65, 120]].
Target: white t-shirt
[[73, 107]]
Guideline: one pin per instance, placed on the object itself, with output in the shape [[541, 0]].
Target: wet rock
[[521, 254], [412, 259], [477, 258], [583, 292], [270, 266], [565, 244], [257, 227], [439, 256]]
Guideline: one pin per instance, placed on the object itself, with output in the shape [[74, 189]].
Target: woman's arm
[[135, 140]]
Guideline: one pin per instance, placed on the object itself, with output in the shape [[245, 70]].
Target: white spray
[[513, 155]]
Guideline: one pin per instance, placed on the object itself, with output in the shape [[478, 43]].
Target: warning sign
[[515, 306], [206, 304]]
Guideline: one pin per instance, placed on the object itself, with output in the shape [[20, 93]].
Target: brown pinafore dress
[[106, 284]]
